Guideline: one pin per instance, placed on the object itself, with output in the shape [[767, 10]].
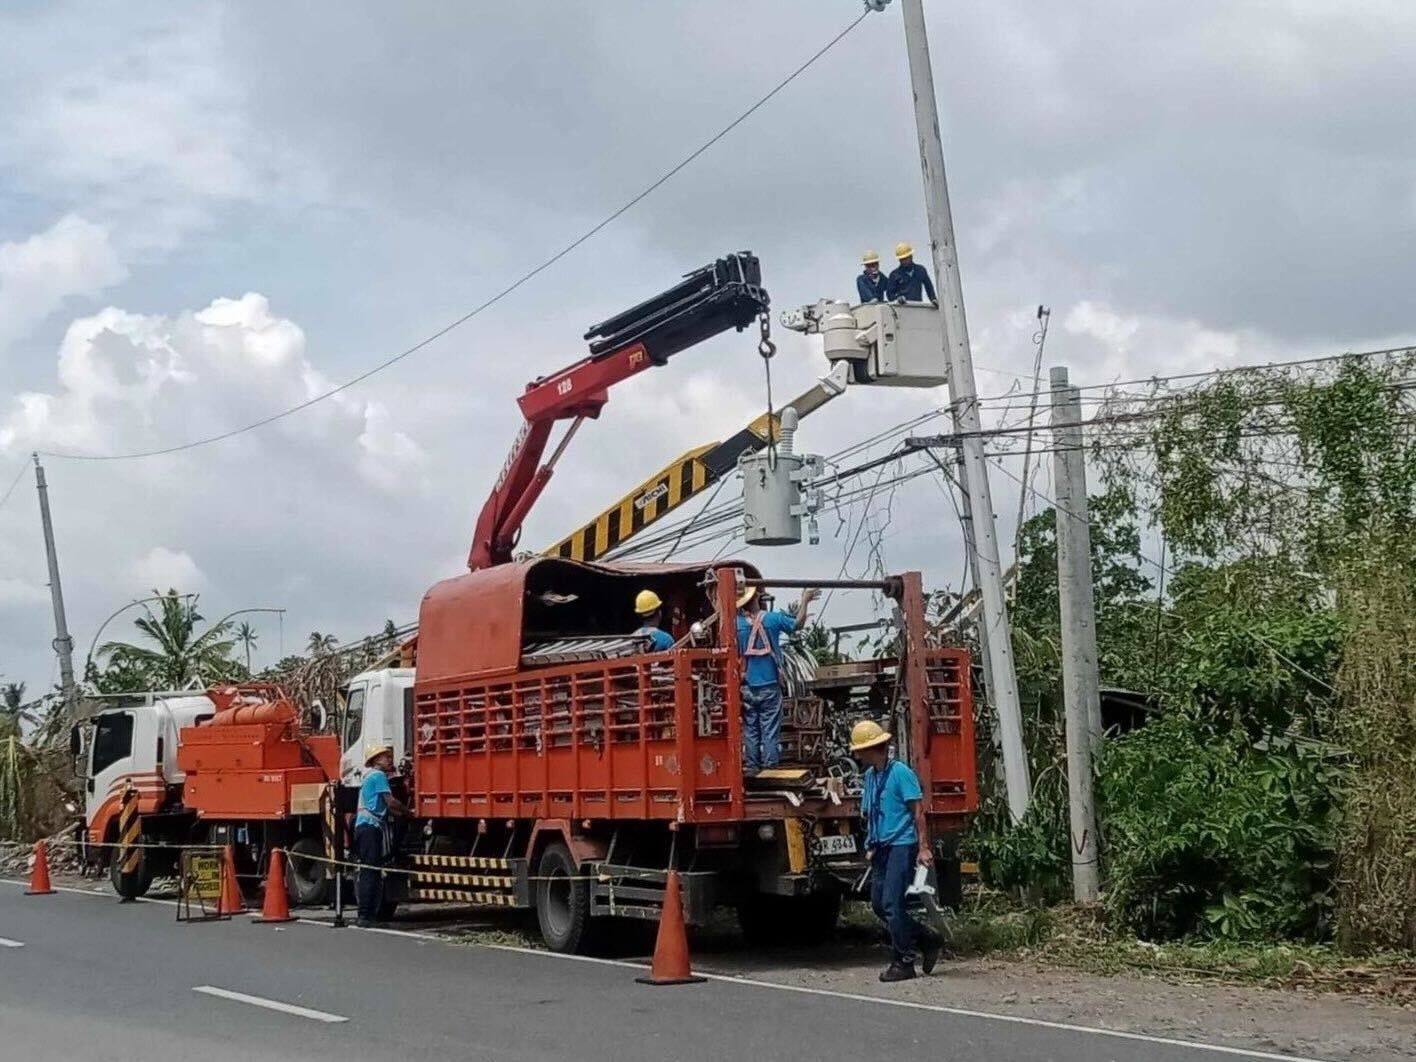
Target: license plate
[[836, 844]]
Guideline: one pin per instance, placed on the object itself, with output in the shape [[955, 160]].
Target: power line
[[14, 483], [500, 295]]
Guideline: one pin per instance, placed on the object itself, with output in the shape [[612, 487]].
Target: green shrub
[[1209, 835]]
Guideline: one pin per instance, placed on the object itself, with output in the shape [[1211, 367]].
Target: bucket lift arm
[[686, 477], [725, 294]]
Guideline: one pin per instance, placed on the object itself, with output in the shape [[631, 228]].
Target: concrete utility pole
[[63, 644], [1080, 684], [998, 634]]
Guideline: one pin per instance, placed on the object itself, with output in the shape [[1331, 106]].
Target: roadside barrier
[[129, 856], [39, 875]]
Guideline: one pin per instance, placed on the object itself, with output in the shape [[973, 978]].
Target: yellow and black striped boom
[[676, 483]]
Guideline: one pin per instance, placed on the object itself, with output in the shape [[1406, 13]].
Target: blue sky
[[208, 211]]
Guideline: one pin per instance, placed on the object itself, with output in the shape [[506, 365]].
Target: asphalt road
[[83, 977]]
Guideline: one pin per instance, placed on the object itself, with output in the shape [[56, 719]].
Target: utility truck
[[550, 759]]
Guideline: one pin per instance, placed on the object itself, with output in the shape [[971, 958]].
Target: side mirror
[[319, 718], [76, 741]]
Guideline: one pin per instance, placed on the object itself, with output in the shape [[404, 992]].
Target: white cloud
[[72, 257], [21, 592], [162, 569]]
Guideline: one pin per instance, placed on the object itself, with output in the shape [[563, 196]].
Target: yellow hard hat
[[375, 749], [867, 734], [904, 250], [746, 595], [646, 601], [871, 258]]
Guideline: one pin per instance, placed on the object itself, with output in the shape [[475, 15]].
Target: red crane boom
[[724, 294]]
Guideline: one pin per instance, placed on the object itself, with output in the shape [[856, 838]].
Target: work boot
[[363, 923], [929, 953], [897, 971]]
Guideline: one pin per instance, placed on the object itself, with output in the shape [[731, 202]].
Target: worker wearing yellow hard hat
[[909, 281], [870, 285], [896, 841], [650, 609], [373, 829]]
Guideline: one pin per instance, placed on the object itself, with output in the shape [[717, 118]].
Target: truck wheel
[[131, 886], [562, 901], [305, 881]]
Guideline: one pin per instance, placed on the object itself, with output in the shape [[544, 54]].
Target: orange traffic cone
[[276, 905], [230, 902], [671, 965], [39, 875]]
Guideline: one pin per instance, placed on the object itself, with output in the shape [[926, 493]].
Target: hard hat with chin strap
[[867, 734], [904, 250], [647, 602], [376, 749]]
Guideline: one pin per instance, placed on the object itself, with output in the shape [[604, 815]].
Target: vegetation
[[1273, 794], [174, 655]]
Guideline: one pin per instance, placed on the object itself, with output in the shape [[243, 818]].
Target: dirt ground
[[1300, 1022]]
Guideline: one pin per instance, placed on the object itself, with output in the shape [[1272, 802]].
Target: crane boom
[[724, 294]]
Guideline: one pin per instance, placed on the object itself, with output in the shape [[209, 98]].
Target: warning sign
[[200, 883]]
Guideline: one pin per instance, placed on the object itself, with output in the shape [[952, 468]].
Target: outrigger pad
[[780, 778]]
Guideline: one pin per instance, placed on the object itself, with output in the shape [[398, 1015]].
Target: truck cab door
[[110, 758], [351, 734]]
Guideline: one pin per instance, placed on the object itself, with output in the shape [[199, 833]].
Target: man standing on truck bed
[[373, 833], [758, 633], [896, 840]]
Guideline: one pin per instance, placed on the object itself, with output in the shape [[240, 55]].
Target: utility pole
[[997, 632], [1080, 684], [63, 644]]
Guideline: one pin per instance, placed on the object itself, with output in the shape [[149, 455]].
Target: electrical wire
[[588, 234], [13, 484]]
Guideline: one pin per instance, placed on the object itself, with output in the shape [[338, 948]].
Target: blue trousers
[[369, 851], [761, 726], [892, 867]]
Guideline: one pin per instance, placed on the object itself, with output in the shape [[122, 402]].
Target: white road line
[[269, 1004], [6, 942], [982, 1015]]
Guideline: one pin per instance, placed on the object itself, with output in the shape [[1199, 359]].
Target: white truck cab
[[378, 709], [136, 744]]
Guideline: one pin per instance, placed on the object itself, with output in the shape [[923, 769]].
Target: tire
[[135, 885], [562, 902], [306, 883]]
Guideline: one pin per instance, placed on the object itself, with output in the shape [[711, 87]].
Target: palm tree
[[179, 657], [321, 644], [247, 636]]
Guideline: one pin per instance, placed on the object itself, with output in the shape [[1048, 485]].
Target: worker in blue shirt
[[896, 840], [650, 611], [759, 632], [870, 285], [910, 281], [373, 834]]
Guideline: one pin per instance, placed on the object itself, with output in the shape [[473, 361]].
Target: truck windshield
[[112, 740]]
